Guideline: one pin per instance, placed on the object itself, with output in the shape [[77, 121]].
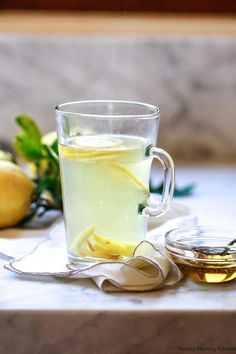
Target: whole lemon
[[15, 194]]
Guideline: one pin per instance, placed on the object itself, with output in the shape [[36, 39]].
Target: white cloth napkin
[[150, 267]]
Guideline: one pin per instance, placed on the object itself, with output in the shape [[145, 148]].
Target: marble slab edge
[[116, 332]]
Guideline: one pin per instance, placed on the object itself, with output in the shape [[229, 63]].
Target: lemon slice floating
[[70, 152], [92, 147], [97, 142], [131, 176]]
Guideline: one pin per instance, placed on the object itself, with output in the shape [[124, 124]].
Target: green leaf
[[45, 183], [157, 189], [53, 185], [185, 191], [55, 147], [28, 143], [50, 153], [28, 148], [29, 127], [178, 192]]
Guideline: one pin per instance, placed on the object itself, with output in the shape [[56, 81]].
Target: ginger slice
[[115, 248]]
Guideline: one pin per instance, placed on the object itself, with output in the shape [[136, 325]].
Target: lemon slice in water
[[96, 142], [81, 238], [131, 176], [70, 152]]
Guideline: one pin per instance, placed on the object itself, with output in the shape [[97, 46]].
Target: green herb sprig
[[178, 192], [43, 161]]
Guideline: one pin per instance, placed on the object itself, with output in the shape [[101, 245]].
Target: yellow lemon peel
[[89, 244], [16, 192], [81, 238], [131, 176], [69, 152], [125, 249]]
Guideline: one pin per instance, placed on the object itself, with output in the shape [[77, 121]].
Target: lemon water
[[105, 181]]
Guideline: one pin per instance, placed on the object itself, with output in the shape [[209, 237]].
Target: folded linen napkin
[[149, 268]]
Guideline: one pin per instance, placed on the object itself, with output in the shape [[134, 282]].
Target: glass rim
[[174, 243], [171, 235], [153, 115]]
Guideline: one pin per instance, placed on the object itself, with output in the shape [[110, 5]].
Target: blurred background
[[178, 55]]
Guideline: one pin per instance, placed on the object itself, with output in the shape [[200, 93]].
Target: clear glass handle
[[168, 184]]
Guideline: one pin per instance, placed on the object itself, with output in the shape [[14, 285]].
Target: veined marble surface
[[192, 80], [55, 316]]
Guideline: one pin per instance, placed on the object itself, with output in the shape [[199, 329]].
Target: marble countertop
[[37, 307]]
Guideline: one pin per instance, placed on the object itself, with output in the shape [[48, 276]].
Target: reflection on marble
[[192, 80], [54, 316]]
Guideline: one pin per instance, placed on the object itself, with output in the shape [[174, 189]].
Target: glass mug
[[106, 150]]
